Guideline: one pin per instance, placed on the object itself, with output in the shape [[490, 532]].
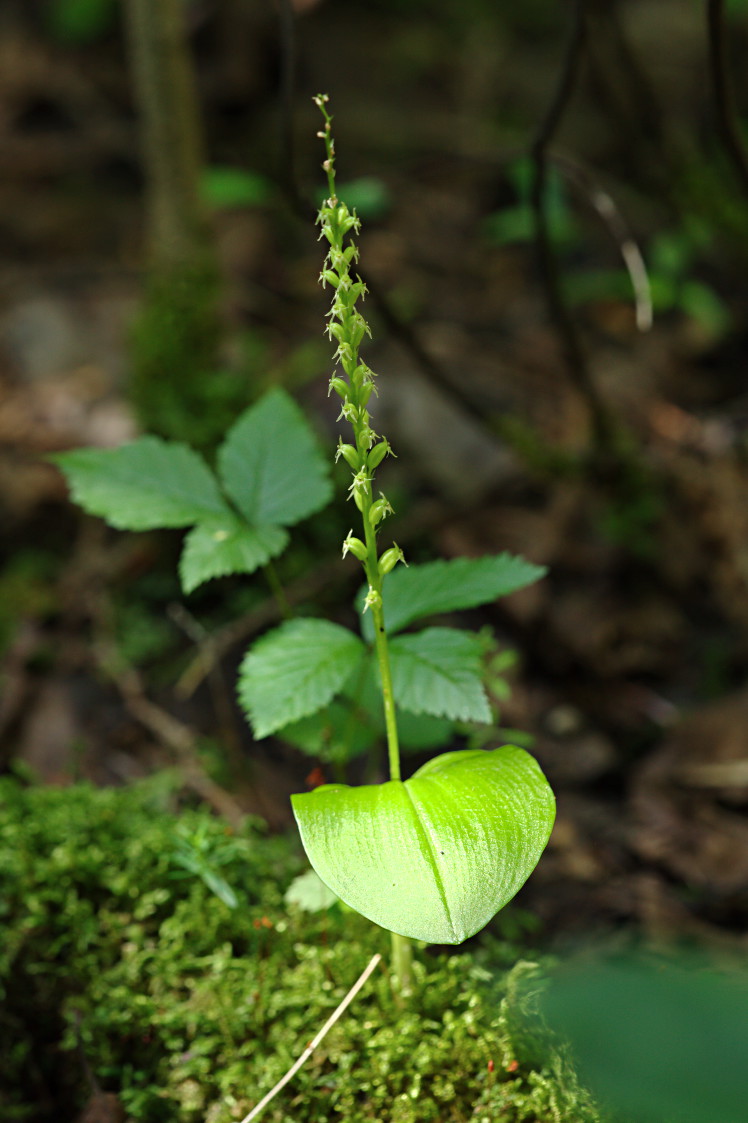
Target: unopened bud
[[389, 560], [377, 455], [379, 510], [355, 546], [340, 386], [350, 454], [365, 393]]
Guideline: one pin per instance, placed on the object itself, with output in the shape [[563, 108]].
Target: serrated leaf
[[436, 856], [270, 463], [296, 670], [447, 586], [437, 672], [143, 485], [227, 545]]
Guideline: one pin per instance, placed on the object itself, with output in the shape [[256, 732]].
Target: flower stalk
[[364, 453], [367, 450]]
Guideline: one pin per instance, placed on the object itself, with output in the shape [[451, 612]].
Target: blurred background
[[555, 237]]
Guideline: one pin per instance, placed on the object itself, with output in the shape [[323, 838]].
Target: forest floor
[[631, 654]]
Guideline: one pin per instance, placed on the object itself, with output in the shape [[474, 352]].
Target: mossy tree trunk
[[171, 129], [177, 386]]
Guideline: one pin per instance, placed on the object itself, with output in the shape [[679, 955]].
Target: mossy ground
[[119, 958]]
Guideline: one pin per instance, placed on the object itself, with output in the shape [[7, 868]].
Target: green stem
[[390, 717], [371, 567], [402, 962], [273, 580]]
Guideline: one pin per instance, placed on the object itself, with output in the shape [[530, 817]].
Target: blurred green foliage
[[27, 590], [78, 22], [190, 1009], [660, 1039], [223, 188]]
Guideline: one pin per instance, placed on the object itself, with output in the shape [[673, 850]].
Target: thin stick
[[313, 1045], [574, 353], [724, 100]]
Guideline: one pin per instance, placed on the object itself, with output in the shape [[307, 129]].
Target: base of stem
[[402, 960]]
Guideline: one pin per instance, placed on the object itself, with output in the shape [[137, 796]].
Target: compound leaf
[[437, 671], [270, 463], [227, 545], [146, 484], [436, 856], [447, 586], [294, 671]]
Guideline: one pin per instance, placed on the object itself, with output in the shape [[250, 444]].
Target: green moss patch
[[122, 955]]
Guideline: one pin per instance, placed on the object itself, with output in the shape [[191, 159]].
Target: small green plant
[[270, 475], [432, 857]]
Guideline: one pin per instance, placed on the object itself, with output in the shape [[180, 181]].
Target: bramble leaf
[[334, 733], [294, 671], [438, 672], [270, 463], [436, 856], [446, 586], [227, 545], [143, 485]]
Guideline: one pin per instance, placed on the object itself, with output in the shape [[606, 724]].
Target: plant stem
[[371, 567], [276, 588], [348, 327], [390, 718], [402, 961]]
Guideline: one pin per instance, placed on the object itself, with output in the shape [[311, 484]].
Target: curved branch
[[610, 215]]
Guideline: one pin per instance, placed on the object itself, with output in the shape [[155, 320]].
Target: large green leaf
[[271, 465], [436, 856], [415, 591], [295, 670], [146, 484], [227, 545], [437, 671]]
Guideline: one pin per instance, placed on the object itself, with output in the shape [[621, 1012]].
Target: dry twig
[[313, 1044]]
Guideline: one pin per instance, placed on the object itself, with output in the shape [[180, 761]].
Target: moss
[[190, 1010]]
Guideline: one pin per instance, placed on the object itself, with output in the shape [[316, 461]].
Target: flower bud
[[340, 386], [379, 510], [377, 455], [350, 454], [389, 560], [365, 392], [373, 599], [355, 546]]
